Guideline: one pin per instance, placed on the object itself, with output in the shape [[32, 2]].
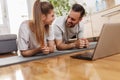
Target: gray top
[[61, 32], [26, 38]]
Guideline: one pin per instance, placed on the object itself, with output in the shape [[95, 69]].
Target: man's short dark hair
[[78, 8]]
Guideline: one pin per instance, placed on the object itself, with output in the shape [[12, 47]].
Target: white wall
[[16, 11], [30, 7]]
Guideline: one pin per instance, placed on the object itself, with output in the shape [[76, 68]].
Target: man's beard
[[70, 25]]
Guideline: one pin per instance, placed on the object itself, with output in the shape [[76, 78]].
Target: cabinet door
[[113, 15], [115, 18]]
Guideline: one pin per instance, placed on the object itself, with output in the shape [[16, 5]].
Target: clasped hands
[[45, 49], [81, 43]]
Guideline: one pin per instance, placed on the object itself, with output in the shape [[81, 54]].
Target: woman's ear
[[43, 17], [80, 19]]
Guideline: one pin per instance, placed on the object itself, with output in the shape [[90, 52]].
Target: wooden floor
[[64, 68]]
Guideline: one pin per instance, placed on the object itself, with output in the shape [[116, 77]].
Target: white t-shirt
[[26, 38], [61, 32]]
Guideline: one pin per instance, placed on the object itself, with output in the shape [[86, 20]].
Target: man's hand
[[81, 43], [86, 42]]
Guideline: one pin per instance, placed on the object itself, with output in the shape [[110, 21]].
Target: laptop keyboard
[[87, 55]]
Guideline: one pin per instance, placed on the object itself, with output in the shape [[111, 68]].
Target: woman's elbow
[[59, 48], [25, 54]]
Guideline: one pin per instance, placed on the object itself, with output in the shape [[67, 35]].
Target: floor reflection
[[54, 68], [11, 73], [59, 68], [19, 75], [90, 72]]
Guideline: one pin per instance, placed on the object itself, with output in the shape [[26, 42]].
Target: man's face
[[73, 19]]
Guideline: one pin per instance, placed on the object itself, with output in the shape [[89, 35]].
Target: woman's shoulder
[[27, 22], [25, 25]]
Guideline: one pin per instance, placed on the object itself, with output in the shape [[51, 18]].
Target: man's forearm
[[66, 46]]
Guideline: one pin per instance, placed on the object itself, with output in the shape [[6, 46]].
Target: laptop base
[[85, 56]]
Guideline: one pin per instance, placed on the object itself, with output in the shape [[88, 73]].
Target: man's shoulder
[[80, 24], [59, 22]]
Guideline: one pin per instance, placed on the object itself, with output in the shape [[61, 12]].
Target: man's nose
[[69, 20]]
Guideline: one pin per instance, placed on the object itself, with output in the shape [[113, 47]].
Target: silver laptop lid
[[109, 41]]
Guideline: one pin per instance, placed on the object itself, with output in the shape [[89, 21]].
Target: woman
[[35, 35]]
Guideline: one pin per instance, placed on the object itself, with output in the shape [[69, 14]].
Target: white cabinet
[[113, 15], [98, 19], [97, 23], [94, 24]]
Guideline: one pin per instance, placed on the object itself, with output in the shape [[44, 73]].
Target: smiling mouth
[[69, 23]]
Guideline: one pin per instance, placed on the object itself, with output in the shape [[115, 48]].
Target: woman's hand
[[45, 50]]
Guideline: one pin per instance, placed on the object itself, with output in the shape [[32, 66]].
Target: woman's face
[[49, 18]]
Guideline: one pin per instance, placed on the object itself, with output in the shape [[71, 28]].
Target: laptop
[[107, 45]]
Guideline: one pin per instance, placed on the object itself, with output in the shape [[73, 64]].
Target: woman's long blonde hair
[[36, 25]]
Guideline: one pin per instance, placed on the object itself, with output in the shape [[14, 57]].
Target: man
[[67, 27]]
